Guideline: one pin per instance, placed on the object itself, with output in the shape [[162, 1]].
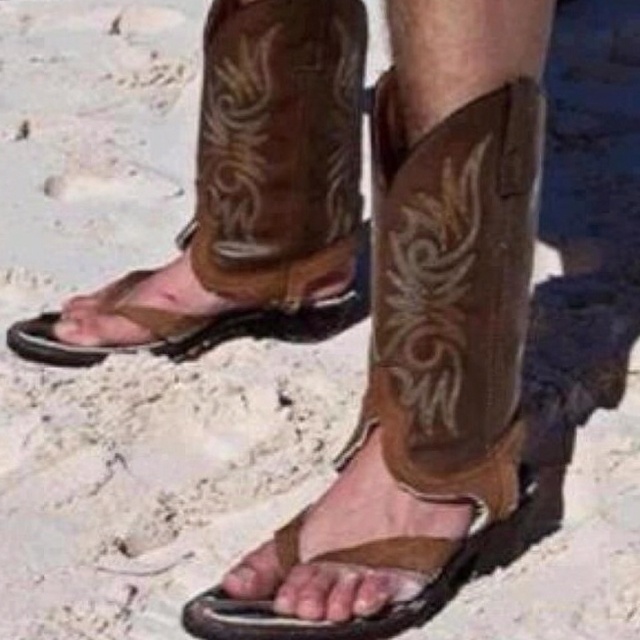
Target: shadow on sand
[[584, 324]]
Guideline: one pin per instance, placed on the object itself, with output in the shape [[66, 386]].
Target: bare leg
[[447, 53]]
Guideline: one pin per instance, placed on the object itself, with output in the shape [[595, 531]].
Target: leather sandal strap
[[284, 286], [420, 554], [161, 323], [287, 541], [118, 289]]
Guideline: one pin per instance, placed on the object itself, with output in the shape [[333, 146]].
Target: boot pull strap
[[519, 163]]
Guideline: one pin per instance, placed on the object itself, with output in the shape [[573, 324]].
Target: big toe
[[73, 329], [78, 303], [93, 330], [256, 577], [77, 312]]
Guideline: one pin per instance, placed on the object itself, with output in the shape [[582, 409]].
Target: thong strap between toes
[[118, 289]]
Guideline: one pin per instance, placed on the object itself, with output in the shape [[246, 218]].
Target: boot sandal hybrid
[[455, 222], [182, 337], [278, 171], [445, 564]]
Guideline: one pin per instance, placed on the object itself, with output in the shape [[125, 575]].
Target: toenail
[[309, 609], [284, 603], [365, 607], [350, 577], [67, 326], [245, 574]]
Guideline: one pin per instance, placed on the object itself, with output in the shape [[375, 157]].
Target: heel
[[538, 516]]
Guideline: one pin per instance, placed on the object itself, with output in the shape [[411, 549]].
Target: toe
[[379, 589], [73, 331], [341, 600], [77, 312], [83, 330], [314, 596], [286, 602], [256, 577], [241, 582], [77, 302], [376, 590], [93, 330]]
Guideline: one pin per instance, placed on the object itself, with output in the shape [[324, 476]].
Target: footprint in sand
[[157, 82], [120, 181]]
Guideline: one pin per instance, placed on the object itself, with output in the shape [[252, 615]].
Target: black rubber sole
[[32, 339]]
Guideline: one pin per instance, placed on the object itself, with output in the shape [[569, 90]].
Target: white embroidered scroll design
[[235, 127], [430, 263], [344, 156]]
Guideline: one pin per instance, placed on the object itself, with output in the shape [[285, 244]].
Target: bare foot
[[363, 505], [79, 305], [171, 288]]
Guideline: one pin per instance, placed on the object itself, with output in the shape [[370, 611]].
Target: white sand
[[127, 488]]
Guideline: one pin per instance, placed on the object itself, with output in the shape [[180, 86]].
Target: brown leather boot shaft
[[279, 152], [454, 231]]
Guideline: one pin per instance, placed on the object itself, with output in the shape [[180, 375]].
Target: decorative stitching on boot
[[235, 125], [343, 171], [281, 112], [431, 259]]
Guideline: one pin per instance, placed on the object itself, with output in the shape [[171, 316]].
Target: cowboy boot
[[279, 153], [455, 220], [278, 171], [454, 233]]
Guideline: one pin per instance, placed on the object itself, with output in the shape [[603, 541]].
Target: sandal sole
[[308, 325], [497, 546]]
